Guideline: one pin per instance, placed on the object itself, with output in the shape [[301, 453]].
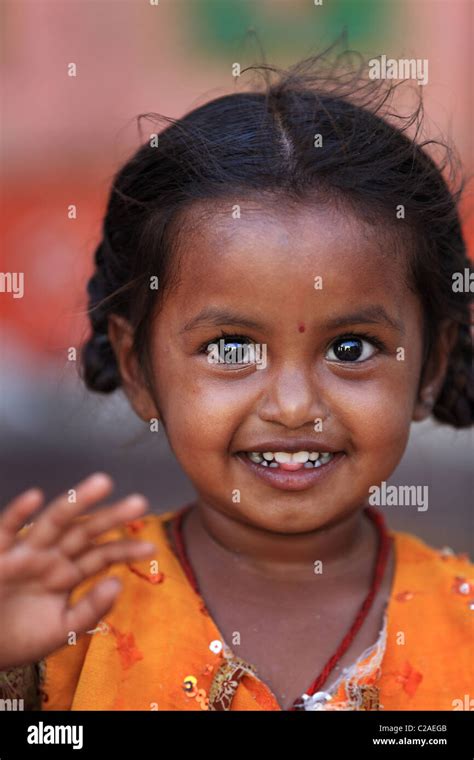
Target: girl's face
[[337, 341]]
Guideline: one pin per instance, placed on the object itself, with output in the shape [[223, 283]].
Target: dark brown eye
[[229, 349], [350, 350]]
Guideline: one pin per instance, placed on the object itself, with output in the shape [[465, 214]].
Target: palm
[[31, 597], [39, 569]]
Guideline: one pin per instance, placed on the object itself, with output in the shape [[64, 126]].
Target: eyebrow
[[214, 316], [369, 315]]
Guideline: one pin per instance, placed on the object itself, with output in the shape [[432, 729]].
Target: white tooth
[[309, 465], [283, 457], [301, 456], [268, 455], [273, 464], [318, 463], [255, 457], [313, 456], [265, 464]]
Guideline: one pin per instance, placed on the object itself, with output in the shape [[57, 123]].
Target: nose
[[293, 397]]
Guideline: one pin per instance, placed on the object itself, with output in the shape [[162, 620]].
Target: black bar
[[137, 734]]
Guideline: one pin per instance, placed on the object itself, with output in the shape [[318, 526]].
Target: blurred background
[[62, 139]]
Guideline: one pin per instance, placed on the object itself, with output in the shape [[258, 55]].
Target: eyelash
[[224, 334], [362, 336], [346, 336]]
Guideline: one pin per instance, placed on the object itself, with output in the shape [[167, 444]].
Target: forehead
[[259, 251]]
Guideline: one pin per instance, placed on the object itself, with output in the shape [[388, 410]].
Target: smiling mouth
[[290, 461], [292, 471]]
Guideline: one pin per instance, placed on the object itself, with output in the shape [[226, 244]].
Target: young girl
[[274, 290]]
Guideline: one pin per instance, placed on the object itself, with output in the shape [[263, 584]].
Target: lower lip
[[298, 480]]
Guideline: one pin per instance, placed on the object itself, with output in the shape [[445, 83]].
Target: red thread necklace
[[379, 570]]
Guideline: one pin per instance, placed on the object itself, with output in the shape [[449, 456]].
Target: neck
[[341, 546]]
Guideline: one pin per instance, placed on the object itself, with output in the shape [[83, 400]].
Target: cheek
[[378, 412], [200, 413]]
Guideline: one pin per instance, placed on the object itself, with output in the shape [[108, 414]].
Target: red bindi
[[301, 327]]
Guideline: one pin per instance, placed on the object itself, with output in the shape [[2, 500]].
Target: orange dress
[[160, 649]]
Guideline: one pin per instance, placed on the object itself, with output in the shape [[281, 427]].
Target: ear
[[435, 371], [120, 335]]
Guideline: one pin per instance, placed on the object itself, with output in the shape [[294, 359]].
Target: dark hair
[[263, 141]]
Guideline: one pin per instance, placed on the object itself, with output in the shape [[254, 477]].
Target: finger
[[93, 606], [114, 551], [67, 575], [78, 538], [16, 513], [58, 515]]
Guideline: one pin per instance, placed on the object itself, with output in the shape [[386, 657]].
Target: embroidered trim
[[226, 682], [358, 682]]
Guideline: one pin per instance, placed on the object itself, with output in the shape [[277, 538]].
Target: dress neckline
[[307, 698]]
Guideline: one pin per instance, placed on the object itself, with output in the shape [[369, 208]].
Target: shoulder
[[150, 527], [64, 665], [441, 581], [419, 556], [428, 660]]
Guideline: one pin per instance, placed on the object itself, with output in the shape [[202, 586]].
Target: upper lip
[[295, 444]]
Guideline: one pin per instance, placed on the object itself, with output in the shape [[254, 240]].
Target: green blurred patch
[[289, 26]]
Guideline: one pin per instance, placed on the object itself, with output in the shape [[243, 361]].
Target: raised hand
[[41, 566]]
